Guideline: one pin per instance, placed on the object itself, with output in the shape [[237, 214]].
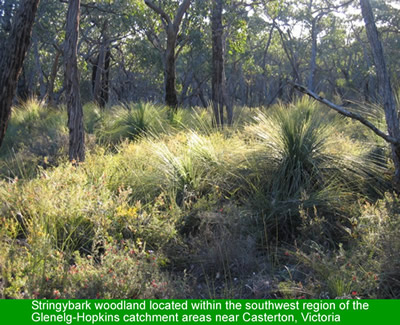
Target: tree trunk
[[53, 75], [99, 68], [385, 87], [12, 59], [74, 106], [97, 73], [313, 59], [219, 95], [169, 60], [105, 78], [22, 87], [171, 98], [38, 68]]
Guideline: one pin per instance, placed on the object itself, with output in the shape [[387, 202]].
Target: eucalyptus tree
[[219, 94], [171, 25], [385, 87], [74, 105], [46, 53], [13, 56], [102, 26], [229, 33]]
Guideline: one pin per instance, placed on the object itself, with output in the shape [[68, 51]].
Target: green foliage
[[92, 117], [124, 270], [304, 163], [182, 195], [130, 122]]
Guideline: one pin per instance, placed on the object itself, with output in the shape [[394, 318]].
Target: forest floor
[[292, 201]]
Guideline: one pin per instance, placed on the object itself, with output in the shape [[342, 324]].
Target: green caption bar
[[199, 311]]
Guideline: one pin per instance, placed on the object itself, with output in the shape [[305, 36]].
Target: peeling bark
[[12, 59], [74, 106], [219, 93]]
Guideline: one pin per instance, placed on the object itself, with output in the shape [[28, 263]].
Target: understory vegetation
[[292, 201]]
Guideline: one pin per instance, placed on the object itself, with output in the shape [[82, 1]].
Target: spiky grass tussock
[[305, 163], [130, 123], [175, 193]]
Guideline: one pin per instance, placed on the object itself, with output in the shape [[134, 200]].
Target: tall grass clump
[[130, 123], [194, 167], [304, 164], [36, 135], [92, 117]]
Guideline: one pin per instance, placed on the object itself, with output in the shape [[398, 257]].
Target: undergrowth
[[288, 202]]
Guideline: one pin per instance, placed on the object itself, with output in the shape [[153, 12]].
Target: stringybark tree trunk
[[385, 87], [218, 93], [12, 58], [171, 98], [169, 60], [74, 106], [105, 79], [38, 67]]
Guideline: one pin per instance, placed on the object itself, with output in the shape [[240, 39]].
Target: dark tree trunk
[[200, 92], [169, 60], [171, 98], [219, 95], [100, 79], [96, 76], [105, 79], [385, 87], [22, 86], [74, 106], [38, 69], [12, 59], [53, 75], [94, 72]]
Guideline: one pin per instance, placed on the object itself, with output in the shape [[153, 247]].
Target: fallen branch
[[341, 110]]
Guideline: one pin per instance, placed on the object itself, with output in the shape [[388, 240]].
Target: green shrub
[[124, 270], [302, 163]]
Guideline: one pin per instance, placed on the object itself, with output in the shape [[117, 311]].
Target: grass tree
[[385, 90]]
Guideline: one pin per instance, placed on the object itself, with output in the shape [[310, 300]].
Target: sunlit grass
[[184, 195]]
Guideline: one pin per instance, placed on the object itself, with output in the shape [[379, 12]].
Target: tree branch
[[179, 15], [158, 10], [341, 110]]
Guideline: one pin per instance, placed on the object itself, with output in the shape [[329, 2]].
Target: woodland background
[[162, 149]]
